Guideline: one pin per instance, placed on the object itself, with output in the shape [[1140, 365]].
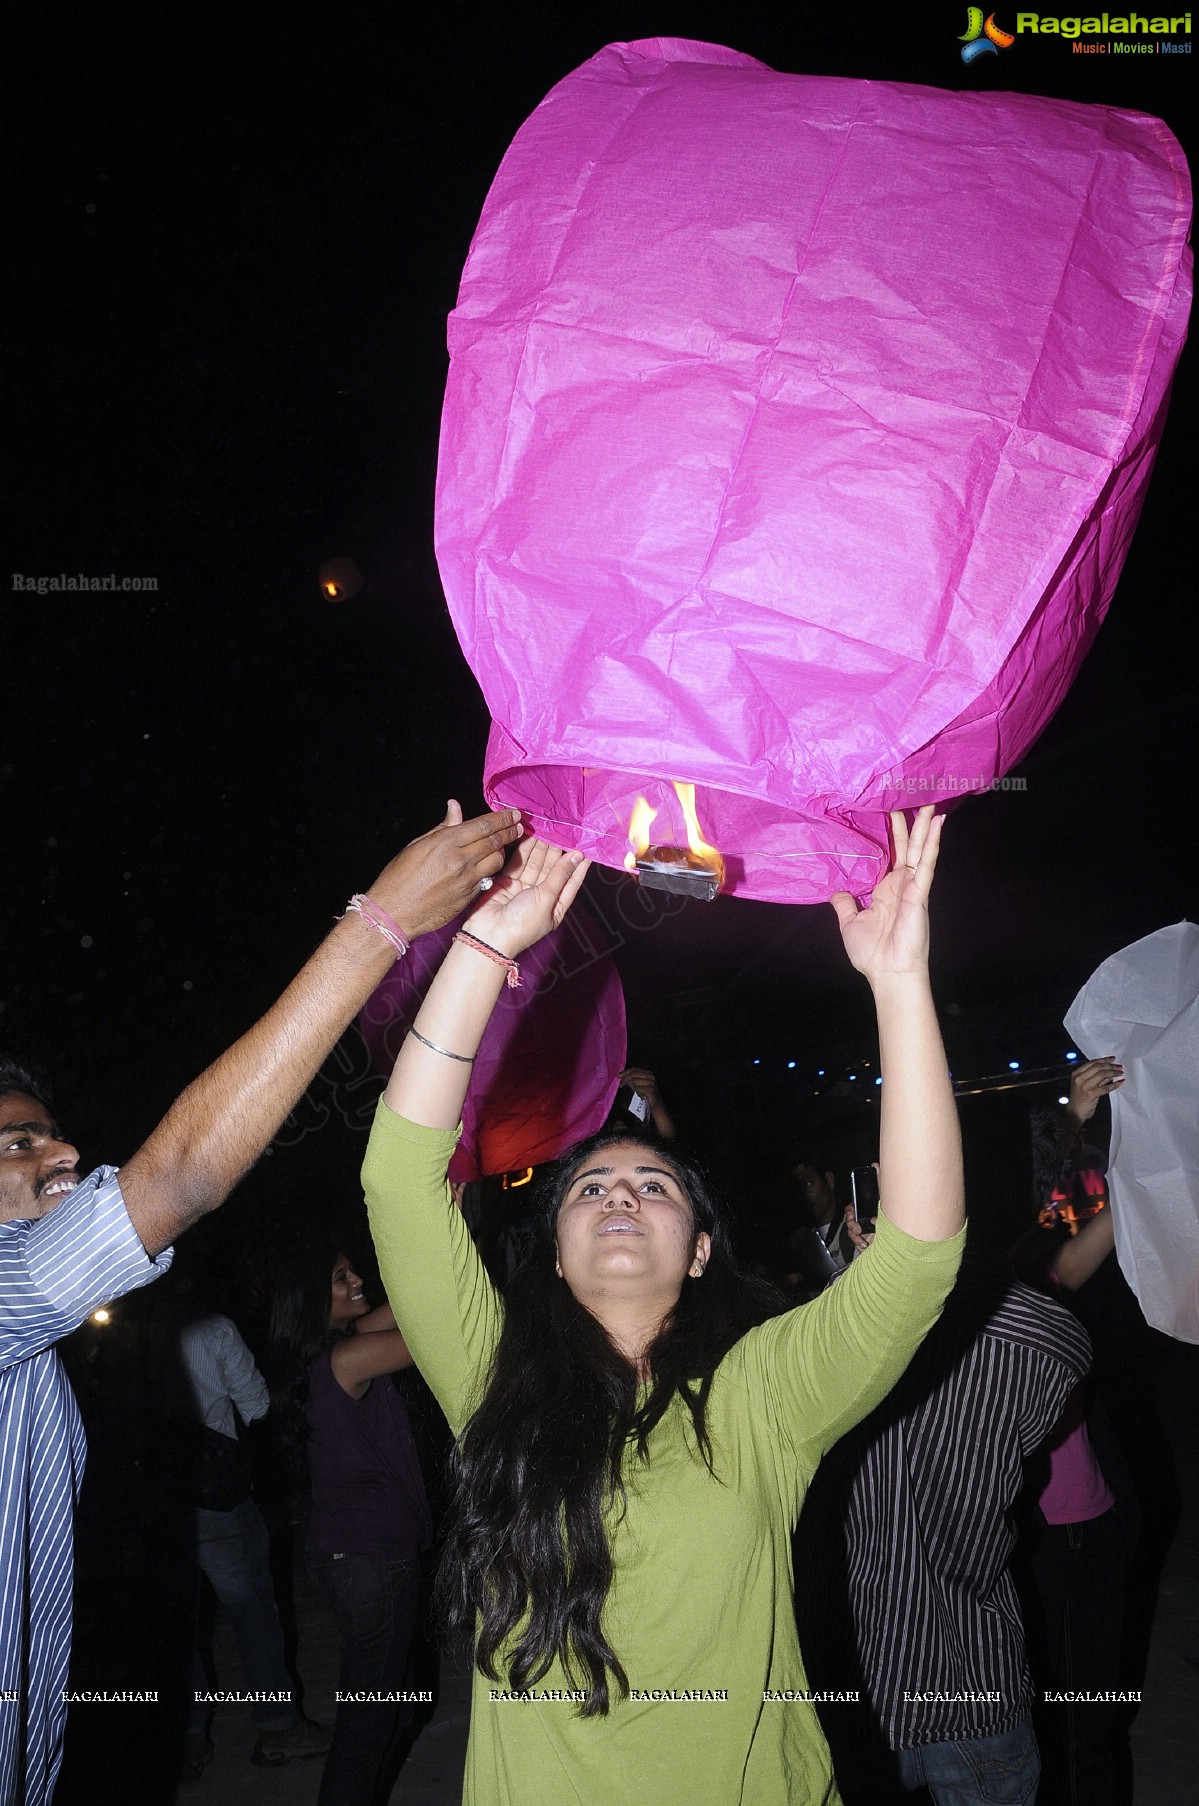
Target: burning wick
[[696, 870], [640, 822]]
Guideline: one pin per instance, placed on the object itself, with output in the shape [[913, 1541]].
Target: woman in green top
[[636, 1432]]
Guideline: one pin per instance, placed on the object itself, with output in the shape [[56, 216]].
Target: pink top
[[1076, 1490]]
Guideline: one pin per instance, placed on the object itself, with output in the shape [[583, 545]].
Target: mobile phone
[[864, 1184]]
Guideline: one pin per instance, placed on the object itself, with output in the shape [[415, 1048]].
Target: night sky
[[240, 243]]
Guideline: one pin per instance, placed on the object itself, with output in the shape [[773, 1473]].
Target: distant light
[[878, 1081], [1063, 1100], [757, 1062], [1013, 1065], [852, 1077], [101, 1316], [790, 1065], [820, 1072], [340, 579], [1072, 1056]]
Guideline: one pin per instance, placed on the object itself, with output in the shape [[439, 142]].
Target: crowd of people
[[840, 1522]]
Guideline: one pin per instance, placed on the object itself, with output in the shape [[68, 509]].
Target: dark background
[[239, 234], [243, 233]]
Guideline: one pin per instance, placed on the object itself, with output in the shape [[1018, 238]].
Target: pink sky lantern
[[795, 434], [546, 1071]]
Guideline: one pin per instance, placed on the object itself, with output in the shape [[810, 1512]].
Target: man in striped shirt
[[903, 1583], [68, 1244]]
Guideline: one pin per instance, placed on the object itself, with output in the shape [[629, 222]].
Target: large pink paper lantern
[[795, 434]]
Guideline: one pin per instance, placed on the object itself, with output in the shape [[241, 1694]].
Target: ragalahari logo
[[982, 37]]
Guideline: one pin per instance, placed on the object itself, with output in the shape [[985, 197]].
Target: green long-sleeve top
[[700, 1608]]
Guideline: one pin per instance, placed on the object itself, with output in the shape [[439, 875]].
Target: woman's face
[[347, 1299], [625, 1228]]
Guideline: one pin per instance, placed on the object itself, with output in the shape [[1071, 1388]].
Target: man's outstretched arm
[[215, 1131]]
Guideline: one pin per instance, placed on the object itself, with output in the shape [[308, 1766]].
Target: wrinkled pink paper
[[546, 1071], [795, 434]]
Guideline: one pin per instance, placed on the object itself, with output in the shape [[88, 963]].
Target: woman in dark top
[[369, 1519]]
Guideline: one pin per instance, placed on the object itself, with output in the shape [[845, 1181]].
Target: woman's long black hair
[[538, 1466]]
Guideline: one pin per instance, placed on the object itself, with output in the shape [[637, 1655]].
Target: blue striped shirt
[[53, 1272]]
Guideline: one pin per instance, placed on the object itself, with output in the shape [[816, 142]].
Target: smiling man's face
[[37, 1167]]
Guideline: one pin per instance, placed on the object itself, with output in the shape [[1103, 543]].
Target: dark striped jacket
[[903, 1550]]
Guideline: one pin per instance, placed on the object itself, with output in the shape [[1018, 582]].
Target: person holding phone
[[861, 1214], [639, 1095], [636, 1424], [817, 1248]]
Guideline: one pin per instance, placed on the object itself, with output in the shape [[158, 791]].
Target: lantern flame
[[696, 870], [695, 840], [640, 822]]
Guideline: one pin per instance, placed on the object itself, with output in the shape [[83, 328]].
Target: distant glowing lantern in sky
[[768, 458], [340, 579]]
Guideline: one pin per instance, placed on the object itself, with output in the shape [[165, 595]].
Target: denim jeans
[[376, 1605], [979, 1771], [233, 1550]]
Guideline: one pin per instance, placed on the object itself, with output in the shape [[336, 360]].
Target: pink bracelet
[[492, 953], [378, 918]]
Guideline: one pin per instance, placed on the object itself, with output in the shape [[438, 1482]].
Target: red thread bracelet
[[492, 953], [378, 918]]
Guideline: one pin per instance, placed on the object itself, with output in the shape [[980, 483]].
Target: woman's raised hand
[[528, 899], [538, 886], [889, 939]]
